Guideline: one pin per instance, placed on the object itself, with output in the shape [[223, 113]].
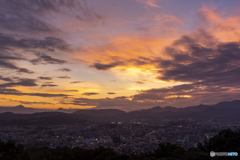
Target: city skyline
[[127, 55]]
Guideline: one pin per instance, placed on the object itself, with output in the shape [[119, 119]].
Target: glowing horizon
[[128, 55]]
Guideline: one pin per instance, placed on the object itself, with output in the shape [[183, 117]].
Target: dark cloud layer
[[111, 93], [28, 102], [72, 90], [10, 65], [101, 66], [46, 59], [45, 78], [116, 62], [11, 43], [42, 103], [24, 70], [8, 41], [209, 63], [89, 93], [5, 78], [64, 77], [22, 82], [139, 82], [5, 91], [30, 16], [76, 82], [4, 55], [64, 70], [49, 85]]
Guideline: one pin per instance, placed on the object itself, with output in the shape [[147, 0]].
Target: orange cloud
[[225, 28], [151, 3], [165, 23], [125, 48]]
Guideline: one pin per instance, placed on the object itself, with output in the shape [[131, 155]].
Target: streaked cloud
[[64, 77], [46, 59], [89, 93], [76, 82], [45, 78], [151, 3], [111, 93], [64, 70]]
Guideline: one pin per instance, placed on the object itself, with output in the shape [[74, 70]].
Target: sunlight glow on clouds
[[123, 54]]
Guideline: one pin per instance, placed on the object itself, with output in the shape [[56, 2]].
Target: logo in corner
[[212, 154]]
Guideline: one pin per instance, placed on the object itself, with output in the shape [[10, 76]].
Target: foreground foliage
[[224, 141]]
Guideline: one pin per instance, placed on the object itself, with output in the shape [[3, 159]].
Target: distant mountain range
[[220, 111], [42, 118], [25, 110]]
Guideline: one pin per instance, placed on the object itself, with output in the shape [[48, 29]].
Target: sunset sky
[[122, 54]]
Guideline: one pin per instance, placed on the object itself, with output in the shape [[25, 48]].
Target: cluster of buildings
[[127, 137]]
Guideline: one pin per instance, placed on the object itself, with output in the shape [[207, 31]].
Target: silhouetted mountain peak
[[7, 113], [233, 104], [20, 106], [168, 107], [161, 109], [155, 108]]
